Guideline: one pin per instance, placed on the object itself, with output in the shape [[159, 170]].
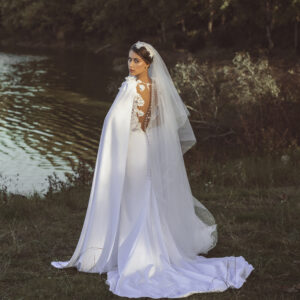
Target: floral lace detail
[[136, 112], [138, 100]]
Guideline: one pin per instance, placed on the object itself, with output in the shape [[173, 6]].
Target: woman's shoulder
[[130, 79]]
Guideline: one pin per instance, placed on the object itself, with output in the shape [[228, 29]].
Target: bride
[[143, 227]]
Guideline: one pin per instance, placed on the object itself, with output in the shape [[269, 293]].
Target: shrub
[[236, 103]]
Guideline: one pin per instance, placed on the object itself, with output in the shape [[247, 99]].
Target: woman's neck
[[144, 78]]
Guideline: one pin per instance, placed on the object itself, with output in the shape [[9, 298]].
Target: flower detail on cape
[[130, 78]]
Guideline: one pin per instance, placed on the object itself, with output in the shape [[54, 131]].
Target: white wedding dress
[[144, 268], [145, 259]]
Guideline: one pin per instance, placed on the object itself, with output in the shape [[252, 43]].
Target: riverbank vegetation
[[244, 103]]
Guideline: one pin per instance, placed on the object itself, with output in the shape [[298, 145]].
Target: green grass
[[260, 223]]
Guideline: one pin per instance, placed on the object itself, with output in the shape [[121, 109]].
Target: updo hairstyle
[[143, 53]]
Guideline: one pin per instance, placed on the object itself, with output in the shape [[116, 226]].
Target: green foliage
[[242, 82], [247, 172], [241, 100], [184, 24], [81, 177], [31, 18], [251, 80]]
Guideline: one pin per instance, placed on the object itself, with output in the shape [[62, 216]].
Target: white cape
[[169, 268]]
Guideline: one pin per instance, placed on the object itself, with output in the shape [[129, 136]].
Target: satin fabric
[[94, 251], [126, 231]]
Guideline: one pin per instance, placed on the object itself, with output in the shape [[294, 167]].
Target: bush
[[237, 103], [81, 177]]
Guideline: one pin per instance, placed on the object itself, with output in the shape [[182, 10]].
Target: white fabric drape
[[171, 227]]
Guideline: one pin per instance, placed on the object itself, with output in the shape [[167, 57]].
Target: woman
[[143, 226]]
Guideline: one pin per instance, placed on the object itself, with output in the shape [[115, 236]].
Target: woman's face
[[136, 65]]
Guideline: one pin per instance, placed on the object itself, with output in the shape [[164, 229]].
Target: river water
[[52, 108]]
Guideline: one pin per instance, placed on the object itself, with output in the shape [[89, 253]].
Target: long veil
[[170, 135]]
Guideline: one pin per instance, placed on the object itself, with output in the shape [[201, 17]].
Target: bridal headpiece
[[142, 44]]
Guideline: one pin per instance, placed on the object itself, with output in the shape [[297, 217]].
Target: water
[[52, 109]]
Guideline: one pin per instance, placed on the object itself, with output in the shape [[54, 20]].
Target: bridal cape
[[142, 225]]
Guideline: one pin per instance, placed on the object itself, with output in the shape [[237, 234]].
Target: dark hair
[[143, 53]]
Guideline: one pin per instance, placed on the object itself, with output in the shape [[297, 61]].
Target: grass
[[260, 223]]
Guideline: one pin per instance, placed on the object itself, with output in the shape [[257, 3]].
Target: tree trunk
[[182, 22], [223, 19], [269, 17], [163, 32], [296, 33], [211, 17]]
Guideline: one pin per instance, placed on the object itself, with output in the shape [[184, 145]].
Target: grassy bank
[[260, 223]]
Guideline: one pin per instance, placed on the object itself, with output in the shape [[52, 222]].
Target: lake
[[52, 107]]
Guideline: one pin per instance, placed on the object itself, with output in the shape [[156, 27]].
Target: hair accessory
[[142, 44]]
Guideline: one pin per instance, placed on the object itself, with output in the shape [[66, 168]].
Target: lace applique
[[136, 112], [141, 87], [138, 100], [142, 84]]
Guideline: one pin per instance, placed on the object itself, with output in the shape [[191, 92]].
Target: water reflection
[[45, 125]]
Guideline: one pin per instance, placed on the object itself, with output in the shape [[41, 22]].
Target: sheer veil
[[170, 135]]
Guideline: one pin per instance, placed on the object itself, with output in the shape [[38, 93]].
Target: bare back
[[145, 92]]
